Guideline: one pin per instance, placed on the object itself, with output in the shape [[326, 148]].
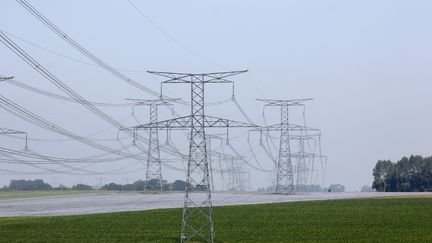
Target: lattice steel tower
[[284, 168], [154, 165], [301, 167], [197, 223], [238, 176]]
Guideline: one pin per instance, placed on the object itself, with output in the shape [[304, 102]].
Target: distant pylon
[[238, 176], [284, 168], [154, 165], [301, 167]]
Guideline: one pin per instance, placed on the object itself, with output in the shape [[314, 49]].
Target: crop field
[[354, 220]]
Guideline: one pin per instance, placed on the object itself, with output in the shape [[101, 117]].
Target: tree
[[406, 175], [82, 187], [380, 172], [178, 185], [28, 185], [112, 186]]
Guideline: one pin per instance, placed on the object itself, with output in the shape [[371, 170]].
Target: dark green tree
[[380, 173], [413, 174]]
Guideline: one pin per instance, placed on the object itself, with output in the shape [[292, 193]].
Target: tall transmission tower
[[197, 222], [153, 177], [284, 167]]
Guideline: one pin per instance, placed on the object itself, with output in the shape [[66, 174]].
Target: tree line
[[38, 184], [413, 174]]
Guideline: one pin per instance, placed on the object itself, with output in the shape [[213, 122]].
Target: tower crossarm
[[293, 102], [304, 137], [221, 122], [10, 131], [7, 131], [176, 123], [305, 155], [153, 102], [217, 77], [280, 126], [185, 122]]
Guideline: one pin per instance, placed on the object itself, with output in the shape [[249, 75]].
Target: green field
[[359, 220]]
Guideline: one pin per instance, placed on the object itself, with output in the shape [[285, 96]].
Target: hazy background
[[365, 63]]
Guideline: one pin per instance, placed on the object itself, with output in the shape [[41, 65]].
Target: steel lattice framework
[[284, 168], [302, 168], [301, 162], [210, 155], [238, 176], [154, 165], [197, 222]]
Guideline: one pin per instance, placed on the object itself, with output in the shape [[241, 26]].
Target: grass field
[[358, 220]]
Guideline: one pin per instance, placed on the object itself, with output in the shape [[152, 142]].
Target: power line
[[22, 85], [169, 36], [29, 116], [44, 20], [67, 57], [62, 86]]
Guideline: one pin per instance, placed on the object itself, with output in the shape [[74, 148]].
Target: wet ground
[[134, 201]]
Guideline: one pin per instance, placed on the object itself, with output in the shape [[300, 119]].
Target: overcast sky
[[367, 64]]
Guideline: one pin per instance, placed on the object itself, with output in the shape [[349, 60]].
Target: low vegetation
[[360, 220]]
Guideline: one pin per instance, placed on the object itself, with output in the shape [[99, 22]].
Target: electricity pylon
[[301, 168], [284, 169], [197, 223], [211, 154], [238, 176], [154, 166], [301, 162]]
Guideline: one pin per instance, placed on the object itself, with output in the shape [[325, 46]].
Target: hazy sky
[[365, 63]]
